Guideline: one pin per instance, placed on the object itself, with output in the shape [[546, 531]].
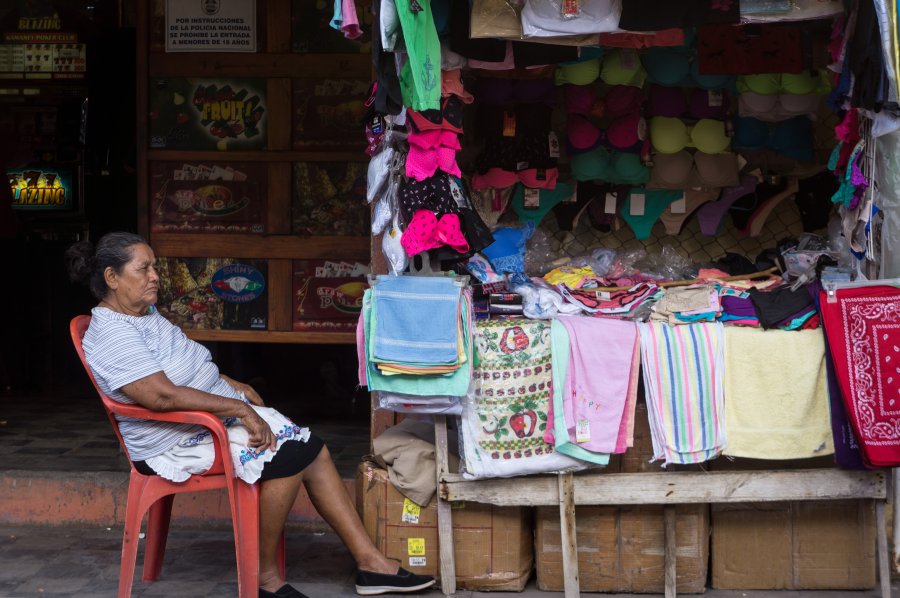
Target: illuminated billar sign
[[41, 190]]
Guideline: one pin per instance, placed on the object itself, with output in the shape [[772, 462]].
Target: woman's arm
[[157, 393], [249, 392]]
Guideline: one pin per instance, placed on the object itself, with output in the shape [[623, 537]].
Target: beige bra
[[684, 170]]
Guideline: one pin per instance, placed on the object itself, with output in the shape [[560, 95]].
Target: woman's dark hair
[[86, 265]]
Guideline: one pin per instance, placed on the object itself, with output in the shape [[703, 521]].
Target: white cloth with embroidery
[[194, 453]]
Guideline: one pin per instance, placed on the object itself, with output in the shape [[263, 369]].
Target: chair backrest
[[77, 327]]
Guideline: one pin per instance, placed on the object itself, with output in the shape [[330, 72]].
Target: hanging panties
[[693, 200], [655, 203], [712, 214]]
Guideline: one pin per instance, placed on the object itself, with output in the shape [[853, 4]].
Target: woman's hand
[[248, 390], [261, 435]]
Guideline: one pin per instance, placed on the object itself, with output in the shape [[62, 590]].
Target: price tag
[[411, 512], [457, 193], [415, 546], [570, 8], [741, 161], [610, 207], [716, 98], [629, 59], [574, 197], [417, 561], [532, 199], [679, 206], [637, 204], [553, 141], [583, 431]]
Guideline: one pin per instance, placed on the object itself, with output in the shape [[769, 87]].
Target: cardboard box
[[492, 545], [621, 549], [794, 545]]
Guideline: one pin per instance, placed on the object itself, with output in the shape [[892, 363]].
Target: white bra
[[776, 108]]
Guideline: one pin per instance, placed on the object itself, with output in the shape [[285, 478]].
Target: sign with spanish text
[[210, 25]]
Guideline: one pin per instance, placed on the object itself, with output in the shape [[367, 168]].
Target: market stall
[[661, 212]]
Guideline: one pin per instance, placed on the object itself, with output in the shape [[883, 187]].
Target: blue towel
[[416, 320]]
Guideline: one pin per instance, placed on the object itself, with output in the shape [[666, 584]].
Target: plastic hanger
[[831, 287]]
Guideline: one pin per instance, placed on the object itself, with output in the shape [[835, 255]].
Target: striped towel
[[417, 320], [683, 385]]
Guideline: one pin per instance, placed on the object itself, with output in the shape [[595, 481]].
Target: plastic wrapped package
[[547, 18], [600, 260], [538, 254], [668, 264], [764, 11]]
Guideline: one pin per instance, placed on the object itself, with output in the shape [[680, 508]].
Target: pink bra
[[683, 170], [533, 178], [425, 231]]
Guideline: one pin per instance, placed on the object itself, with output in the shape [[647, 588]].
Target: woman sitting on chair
[[137, 356]]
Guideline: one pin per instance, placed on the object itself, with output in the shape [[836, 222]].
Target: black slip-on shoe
[[370, 584], [285, 591]]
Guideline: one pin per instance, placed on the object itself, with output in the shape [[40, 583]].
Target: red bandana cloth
[[863, 327]]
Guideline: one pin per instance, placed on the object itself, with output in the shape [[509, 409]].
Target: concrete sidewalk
[[84, 561]]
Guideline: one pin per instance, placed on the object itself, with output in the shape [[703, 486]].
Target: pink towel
[[600, 381]]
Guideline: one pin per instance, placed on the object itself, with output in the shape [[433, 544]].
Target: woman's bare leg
[[329, 495], [276, 498]]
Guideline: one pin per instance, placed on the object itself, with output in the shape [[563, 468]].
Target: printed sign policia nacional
[[42, 189], [210, 25], [207, 114]]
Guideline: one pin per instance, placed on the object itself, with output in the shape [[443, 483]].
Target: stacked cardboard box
[[621, 549], [492, 545], [816, 545]]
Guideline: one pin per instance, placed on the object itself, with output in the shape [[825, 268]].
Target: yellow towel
[[776, 398]]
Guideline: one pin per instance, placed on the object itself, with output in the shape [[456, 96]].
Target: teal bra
[[616, 167]]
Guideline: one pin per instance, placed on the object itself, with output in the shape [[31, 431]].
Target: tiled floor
[[68, 431]]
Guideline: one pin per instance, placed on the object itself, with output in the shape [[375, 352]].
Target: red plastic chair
[[156, 494]]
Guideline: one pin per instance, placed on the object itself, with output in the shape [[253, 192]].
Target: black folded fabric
[[774, 307]]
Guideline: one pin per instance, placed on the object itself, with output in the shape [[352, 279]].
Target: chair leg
[[131, 534], [245, 514], [157, 533]]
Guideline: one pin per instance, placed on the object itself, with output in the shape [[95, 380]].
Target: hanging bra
[[494, 92], [792, 137], [804, 83], [677, 67], [449, 117], [497, 178], [683, 170], [671, 135], [623, 67], [582, 99], [623, 99], [584, 72], [616, 167], [672, 102], [426, 231], [775, 108]]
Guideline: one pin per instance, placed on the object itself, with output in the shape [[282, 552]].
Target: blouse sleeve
[[121, 356]]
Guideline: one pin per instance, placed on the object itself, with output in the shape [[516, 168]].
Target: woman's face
[[135, 288]]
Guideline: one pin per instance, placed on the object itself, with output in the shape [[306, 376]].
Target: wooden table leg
[[671, 551], [567, 529], [444, 513], [884, 572]]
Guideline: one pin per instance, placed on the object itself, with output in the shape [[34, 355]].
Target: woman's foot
[[369, 583], [285, 591]]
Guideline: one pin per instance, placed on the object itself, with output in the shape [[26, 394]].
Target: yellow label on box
[[411, 511], [415, 546]]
